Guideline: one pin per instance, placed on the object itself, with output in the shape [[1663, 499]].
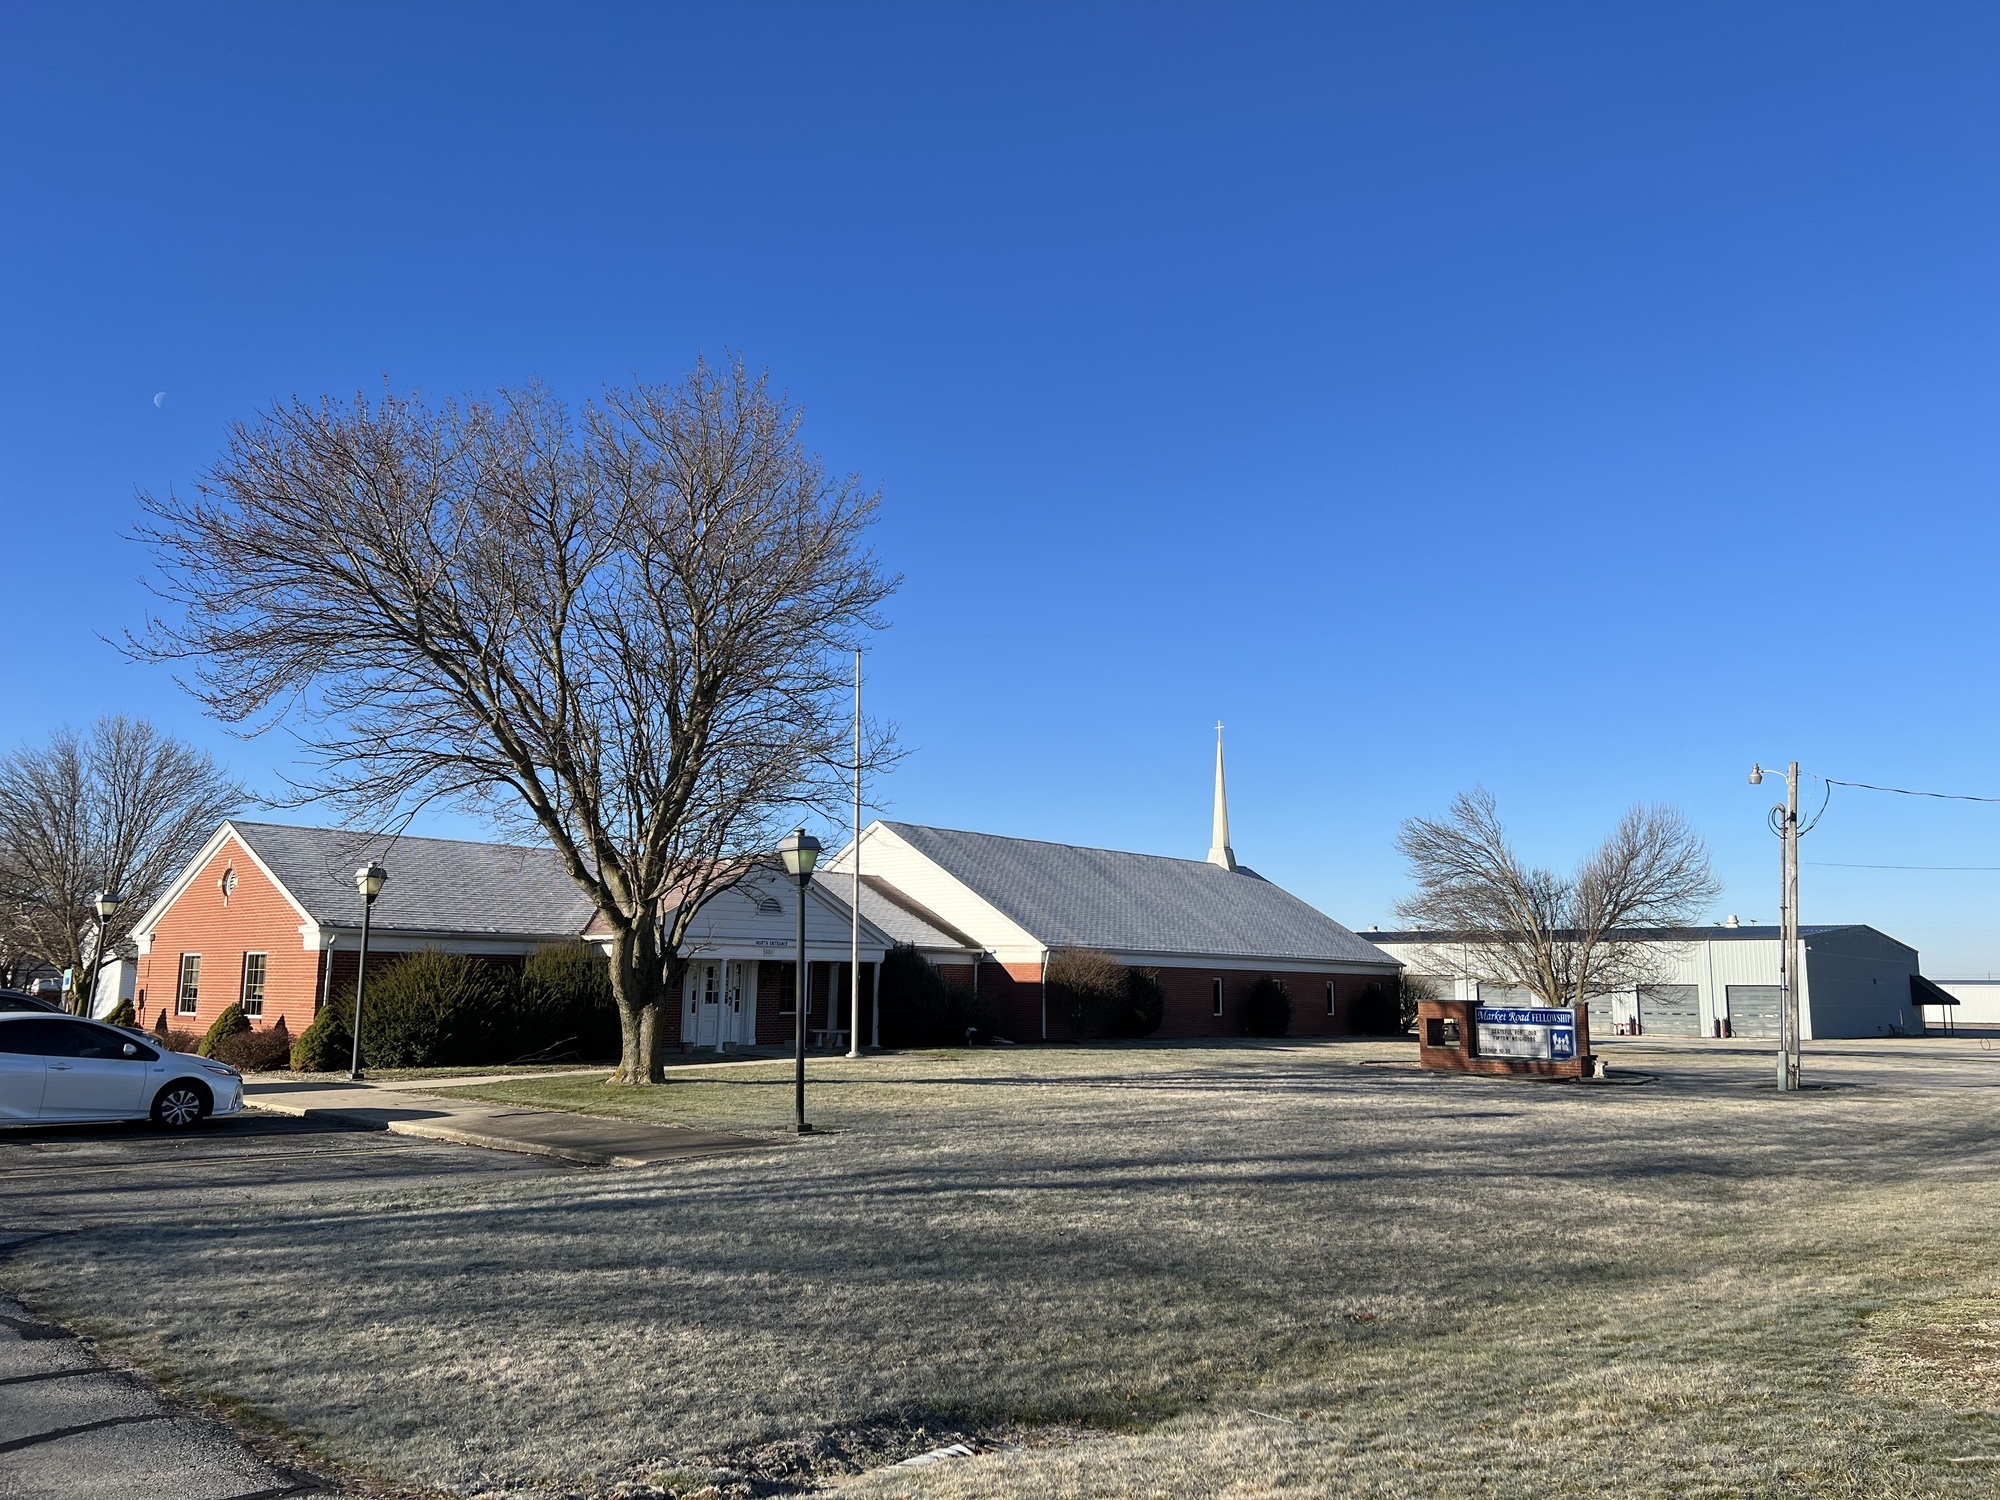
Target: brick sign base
[[1448, 1042]]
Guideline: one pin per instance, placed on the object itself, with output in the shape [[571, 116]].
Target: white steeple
[[1219, 852]]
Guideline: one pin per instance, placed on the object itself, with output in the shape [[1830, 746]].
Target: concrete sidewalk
[[407, 1110], [71, 1426]]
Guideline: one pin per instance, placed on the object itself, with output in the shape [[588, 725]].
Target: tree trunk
[[635, 985]]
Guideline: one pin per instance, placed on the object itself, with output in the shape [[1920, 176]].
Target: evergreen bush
[[920, 1010], [1146, 1003], [563, 1004], [261, 1050], [1375, 1012], [1268, 1011], [232, 1022], [327, 1044], [122, 1014], [435, 1010]]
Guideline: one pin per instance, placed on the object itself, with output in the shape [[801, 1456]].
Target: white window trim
[[262, 983], [184, 1004]]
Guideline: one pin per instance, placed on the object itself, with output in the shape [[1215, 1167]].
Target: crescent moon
[[159, 398]]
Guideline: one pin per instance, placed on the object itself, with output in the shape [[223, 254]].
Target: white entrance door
[[743, 1003], [705, 1004]]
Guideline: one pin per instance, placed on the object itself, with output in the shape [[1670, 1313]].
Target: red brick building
[[267, 916], [990, 912]]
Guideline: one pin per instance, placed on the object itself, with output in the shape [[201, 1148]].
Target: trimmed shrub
[[563, 1004], [1268, 1011], [232, 1022], [259, 1050], [920, 1010], [183, 1041], [122, 1014], [1146, 1002], [435, 1010], [1089, 988], [1375, 1011], [327, 1044], [1101, 997]]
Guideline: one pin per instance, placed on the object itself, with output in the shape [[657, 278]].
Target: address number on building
[[1513, 1031]]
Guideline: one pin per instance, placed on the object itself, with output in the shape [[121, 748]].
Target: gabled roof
[[434, 885], [1071, 897], [902, 917]]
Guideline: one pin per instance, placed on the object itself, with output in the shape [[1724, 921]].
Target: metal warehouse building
[[1724, 981]]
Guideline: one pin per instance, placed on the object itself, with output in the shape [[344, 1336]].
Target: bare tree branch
[[122, 808], [1565, 939], [620, 630]]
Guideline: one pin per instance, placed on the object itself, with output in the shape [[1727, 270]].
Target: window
[[53, 1036], [190, 983], [1329, 997], [788, 990], [253, 984], [1215, 986]]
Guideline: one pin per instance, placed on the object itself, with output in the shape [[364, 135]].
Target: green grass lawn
[[1172, 1270]]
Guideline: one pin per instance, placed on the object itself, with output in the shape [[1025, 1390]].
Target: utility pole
[[1785, 823], [1788, 1025]]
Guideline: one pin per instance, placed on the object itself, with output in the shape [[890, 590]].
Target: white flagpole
[[854, 906]]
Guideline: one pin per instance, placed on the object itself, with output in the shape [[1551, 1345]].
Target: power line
[[1835, 864], [1903, 791]]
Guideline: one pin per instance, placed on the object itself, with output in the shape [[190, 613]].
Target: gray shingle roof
[[1137, 903], [434, 885], [900, 916]]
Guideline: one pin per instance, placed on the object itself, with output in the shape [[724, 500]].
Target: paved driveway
[[72, 1427]]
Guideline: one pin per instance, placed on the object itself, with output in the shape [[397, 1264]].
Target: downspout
[[1045, 994], [326, 974]]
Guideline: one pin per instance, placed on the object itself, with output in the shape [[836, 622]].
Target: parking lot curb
[[462, 1134]]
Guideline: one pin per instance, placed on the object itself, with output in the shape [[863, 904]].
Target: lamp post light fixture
[[1785, 823], [800, 852], [368, 880], [108, 903]]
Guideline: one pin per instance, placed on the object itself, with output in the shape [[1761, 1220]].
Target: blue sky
[[1582, 401]]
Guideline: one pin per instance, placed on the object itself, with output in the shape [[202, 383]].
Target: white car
[[62, 1069]]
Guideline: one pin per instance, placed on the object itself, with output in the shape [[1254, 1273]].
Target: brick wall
[[253, 918], [1190, 1001]]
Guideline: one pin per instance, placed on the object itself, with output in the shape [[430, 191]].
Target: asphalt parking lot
[[72, 1426]]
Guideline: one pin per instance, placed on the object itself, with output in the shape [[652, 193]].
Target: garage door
[[1753, 1009], [1669, 1010]]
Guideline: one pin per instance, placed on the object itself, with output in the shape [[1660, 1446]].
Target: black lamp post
[[108, 903], [367, 880], [800, 852]]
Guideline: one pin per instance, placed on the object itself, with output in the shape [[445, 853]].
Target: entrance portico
[[743, 947]]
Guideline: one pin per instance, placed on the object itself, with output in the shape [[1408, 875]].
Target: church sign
[[1526, 1032]]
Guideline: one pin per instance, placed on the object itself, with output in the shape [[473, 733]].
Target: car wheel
[[181, 1106]]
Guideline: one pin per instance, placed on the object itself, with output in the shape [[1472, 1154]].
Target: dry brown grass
[[1160, 1269]]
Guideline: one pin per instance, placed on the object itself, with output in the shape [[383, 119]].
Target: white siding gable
[[930, 884]]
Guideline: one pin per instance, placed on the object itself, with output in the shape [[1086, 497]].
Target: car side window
[[35, 1038], [81, 1039]]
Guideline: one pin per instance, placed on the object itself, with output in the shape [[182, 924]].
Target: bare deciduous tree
[[1564, 938], [619, 629], [122, 808]]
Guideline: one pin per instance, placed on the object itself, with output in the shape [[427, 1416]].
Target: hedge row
[[445, 1010]]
